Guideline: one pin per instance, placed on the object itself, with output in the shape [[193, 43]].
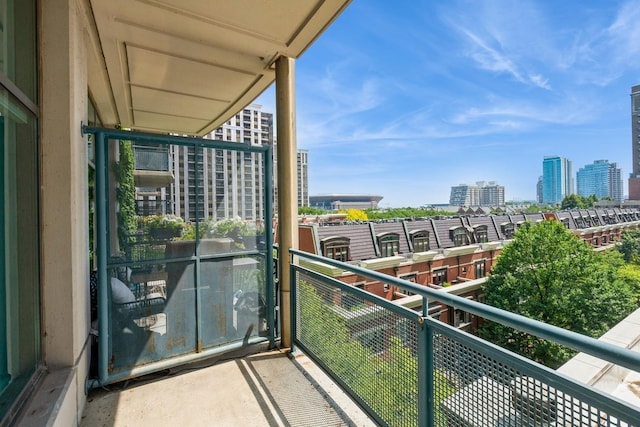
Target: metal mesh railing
[[151, 157], [369, 349], [407, 369], [493, 387]]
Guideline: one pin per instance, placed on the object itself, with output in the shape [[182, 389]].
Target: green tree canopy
[[548, 274], [573, 201], [404, 213], [308, 210], [630, 246]]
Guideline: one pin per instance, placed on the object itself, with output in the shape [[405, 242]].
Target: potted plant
[[162, 227]]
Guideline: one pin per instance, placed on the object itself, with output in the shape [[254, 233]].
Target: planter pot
[[164, 233]]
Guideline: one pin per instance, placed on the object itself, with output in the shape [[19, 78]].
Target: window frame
[[507, 228], [331, 245], [389, 244], [420, 240], [411, 277], [480, 266], [458, 234], [439, 273], [481, 233]]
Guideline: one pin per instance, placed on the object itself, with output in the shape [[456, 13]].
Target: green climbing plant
[[126, 193]]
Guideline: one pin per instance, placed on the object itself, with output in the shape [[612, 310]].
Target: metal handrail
[[613, 354]]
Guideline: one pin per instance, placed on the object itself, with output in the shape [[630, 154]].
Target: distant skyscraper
[[634, 179], [539, 190], [482, 194], [302, 175], [557, 179], [303, 178], [600, 178]]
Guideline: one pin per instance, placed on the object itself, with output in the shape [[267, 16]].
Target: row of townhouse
[[453, 254]]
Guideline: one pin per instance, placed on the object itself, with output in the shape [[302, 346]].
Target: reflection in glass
[[19, 254], [194, 277]]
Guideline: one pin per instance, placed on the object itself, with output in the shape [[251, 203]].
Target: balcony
[[402, 367], [254, 390], [151, 166]]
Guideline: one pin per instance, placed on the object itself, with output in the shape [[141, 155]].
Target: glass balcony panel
[[194, 275]]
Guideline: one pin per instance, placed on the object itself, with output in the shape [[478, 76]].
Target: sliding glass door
[[20, 354]]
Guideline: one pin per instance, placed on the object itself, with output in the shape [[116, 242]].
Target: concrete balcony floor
[[265, 389]]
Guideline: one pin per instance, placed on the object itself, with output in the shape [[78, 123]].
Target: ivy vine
[[126, 194]]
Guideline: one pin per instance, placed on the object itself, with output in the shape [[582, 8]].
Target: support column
[[63, 204], [287, 185]]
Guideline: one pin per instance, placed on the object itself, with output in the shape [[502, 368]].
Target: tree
[[355, 215], [573, 201], [308, 210], [404, 213], [630, 246], [548, 274]]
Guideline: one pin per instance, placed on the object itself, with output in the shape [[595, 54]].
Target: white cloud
[[540, 81]]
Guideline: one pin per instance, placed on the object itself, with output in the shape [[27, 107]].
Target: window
[[20, 354], [460, 236], [462, 319], [565, 222], [420, 240], [507, 229], [439, 276], [336, 248], [411, 278], [481, 235], [479, 268], [389, 243]]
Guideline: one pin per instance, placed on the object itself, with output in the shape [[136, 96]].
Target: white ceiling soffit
[[187, 66]]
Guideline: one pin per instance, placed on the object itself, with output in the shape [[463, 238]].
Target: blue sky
[[406, 99]]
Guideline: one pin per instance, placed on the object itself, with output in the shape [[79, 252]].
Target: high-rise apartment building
[[634, 179], [233, 180], [600, 178], [302, 175], [482, 194], [539, 190], [557, 179]]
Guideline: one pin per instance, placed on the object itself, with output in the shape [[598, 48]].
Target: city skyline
[[483, 96]]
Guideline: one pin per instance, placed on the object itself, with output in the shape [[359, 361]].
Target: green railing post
[[4, 370], [293, 306], [268, 224], [102, 183], [197, 149], [425, 375]]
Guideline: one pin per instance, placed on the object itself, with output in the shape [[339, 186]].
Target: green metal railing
[[408, 369], [167, 301]]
